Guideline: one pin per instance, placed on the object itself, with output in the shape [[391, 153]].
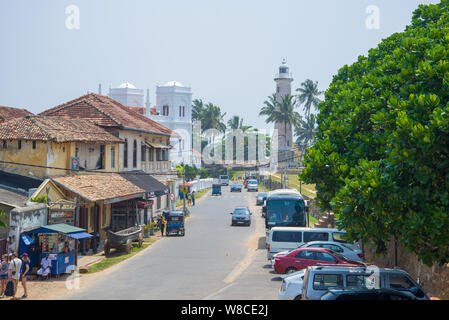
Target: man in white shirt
[[14, 272], [45, 266]]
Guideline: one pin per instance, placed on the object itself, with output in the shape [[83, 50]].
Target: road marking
[[218, 292]]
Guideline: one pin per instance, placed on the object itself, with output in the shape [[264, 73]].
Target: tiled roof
[[8, 113], [102, 186], [54, 129], [105, 112], [139, 110]]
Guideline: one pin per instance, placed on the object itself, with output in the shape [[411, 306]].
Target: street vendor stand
[[58, 240]]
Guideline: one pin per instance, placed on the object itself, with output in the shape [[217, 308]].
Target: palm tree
[[212, 118], [306, 133], [309, 95], [283, 112], [237, 123], [197, 109]]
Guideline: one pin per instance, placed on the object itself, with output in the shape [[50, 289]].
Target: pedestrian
[[189, 199], [4, 274], [162, 224], [193, 198], [14, 272], [24, 273]]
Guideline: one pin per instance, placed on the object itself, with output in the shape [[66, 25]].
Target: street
[[212, 261]]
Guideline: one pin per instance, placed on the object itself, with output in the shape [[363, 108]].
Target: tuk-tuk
[[216, 189], [175, 222]]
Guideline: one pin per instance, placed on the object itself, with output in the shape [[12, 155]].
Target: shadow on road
[[276, 279], [267, 266]]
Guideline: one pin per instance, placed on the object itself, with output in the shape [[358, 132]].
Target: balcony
[[156, 166]]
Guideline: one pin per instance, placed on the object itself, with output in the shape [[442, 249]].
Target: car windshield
[[236, 185], [241, 211], [347, 247], [286, 212], [340, 256], [252, 182], [260, 195]]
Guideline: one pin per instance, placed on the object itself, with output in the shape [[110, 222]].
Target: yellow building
[[43, 147]]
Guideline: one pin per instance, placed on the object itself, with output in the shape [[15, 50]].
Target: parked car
[[261, 197], [304, 257], [282, 239], [241, 215], [253, 185], [224, 180], [237, 187], [366, 294], [348, 251], [319, 279], [291, 285]]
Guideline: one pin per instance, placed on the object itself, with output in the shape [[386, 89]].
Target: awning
[[60, 227], [79, 235], [147, 182], [158, 145]]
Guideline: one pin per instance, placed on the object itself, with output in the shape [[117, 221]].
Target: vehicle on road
[[319, 279], [261, 197], [175, 222], [366, 294], [283, 239], [253, 185], [241, 216], [237, 187], [216, 189], [291, 286], [284, 208], [224, 180], [342, 248], [304, 257]]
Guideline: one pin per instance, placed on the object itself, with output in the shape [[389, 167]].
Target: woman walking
[[24, 273], [4, 274]]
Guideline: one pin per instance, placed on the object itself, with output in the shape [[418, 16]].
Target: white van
[[289, 238], [224, 180]]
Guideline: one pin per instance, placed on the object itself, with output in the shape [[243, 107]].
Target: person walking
[[189, 199], [162, 224], [14, 272], [24, 273], [4, 274], [193, 198]]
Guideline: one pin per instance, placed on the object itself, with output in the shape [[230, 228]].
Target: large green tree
[[381, 159], [212, 118], [306, 133]]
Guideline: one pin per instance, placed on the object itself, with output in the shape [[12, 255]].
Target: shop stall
[[59, 241]]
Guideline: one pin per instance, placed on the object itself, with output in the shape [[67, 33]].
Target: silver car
[[252, 185], [348, 251]]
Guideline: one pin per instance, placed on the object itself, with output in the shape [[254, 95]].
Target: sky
[[227, 51]]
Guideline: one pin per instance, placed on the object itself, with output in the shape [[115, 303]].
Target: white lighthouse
[[284, 81]]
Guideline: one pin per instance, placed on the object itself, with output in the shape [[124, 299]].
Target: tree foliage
[[381, 159]]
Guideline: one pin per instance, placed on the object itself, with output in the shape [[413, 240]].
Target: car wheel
[[290, 270], [297, 297]]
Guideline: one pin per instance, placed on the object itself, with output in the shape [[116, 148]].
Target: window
[[135, 153], [150, 154], [362, 282], [5, 145], [183, 111], [180, 111], [34, 144], [287, 236], [164, 155], [19, 144], [158, 154], [315, 236], [112, 157], [100, 164], [327, 281], [400, 282], [165, 110], [324, 256], [125, 154], [143, 152], [340, 237], [306, 255], [332, 247], [158, 202]]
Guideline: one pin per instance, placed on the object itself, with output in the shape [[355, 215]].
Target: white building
[[174, 110], [128, 95]]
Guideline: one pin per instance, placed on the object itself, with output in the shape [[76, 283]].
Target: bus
[[285, 208]]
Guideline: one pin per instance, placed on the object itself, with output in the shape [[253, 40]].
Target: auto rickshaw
[[175, 222], [216, 189]]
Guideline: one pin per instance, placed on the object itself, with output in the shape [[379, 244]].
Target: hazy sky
[[227, 51]]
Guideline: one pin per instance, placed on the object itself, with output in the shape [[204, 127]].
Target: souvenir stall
[[59, 241]]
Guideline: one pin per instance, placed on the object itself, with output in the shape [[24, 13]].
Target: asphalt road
[[213, 261]]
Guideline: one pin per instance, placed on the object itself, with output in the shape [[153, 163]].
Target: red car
[[304, 257]]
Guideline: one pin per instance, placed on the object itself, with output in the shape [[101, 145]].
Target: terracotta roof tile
[[8, 113], [139, 110], [101, 186], [105, 112], [54, 129]]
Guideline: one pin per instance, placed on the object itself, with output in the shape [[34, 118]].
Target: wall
[[434, 279], [24, 155], [25, 219]]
